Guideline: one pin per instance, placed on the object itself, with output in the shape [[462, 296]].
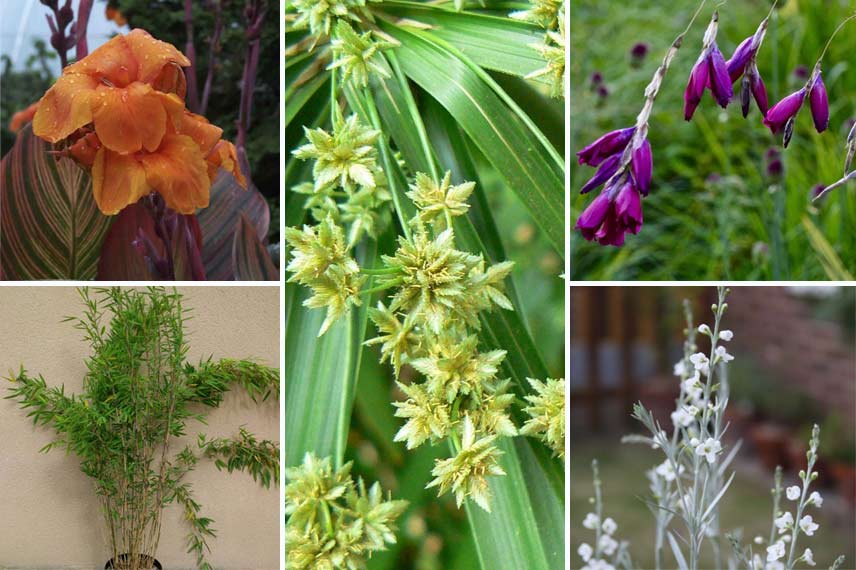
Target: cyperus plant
[[397, 243], [139, 395]]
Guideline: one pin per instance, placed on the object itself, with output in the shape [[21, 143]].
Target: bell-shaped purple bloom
[[609, 217], [759, 91], [819, 103], [642, 167], [737, 64], [783, 111], [604, 173], [608, 145], [710, 72]]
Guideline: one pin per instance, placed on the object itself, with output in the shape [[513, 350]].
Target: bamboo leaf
[[517, 150], [50, 226]]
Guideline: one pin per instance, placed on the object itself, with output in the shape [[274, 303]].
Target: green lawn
[[747, 504]]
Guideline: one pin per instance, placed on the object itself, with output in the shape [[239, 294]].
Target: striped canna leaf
[[221, 220], [251, 260], [50, 226]]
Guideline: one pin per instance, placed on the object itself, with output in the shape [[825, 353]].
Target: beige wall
[[49, 516]]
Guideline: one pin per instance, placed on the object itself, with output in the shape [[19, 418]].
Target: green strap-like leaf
[[320, 375], [50, 226], [496, 43], [520, 153]]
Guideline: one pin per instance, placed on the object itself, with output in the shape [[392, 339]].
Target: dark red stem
[[213, 50], [254, 15], [81, 26], [190, 52]]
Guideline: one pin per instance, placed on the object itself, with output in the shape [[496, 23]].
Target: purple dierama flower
[[608, 145], [819, 103], [626, 166], [782, 116], [742, 64], [642, 167], [616, 211], [709, 72], [638, 54]]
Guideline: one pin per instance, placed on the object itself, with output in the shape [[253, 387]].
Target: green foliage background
[[734, 228]]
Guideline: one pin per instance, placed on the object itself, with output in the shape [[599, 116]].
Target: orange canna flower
[[112, 87], [21, 118], [121, 112]]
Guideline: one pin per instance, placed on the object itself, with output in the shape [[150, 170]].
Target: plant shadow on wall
[[117, 174], [139, 395], [752, 180], [416, 129], [692, 485]]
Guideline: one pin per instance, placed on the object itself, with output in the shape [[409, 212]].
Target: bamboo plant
[[140, 394]]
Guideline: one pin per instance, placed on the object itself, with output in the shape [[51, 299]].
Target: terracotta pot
[[845, 479], [770, 442], [147, 560]]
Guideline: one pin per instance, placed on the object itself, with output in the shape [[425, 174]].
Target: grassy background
[[713, 213], [747, 504]]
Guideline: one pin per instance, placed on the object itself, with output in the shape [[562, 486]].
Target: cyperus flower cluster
[[348, 185], [550, 15], [332, 521], [547, 410]]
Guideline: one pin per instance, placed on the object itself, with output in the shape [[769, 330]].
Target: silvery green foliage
[[689, 484]]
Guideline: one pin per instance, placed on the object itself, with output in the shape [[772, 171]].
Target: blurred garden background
[[29, 66], [727, 202], [795, 365]]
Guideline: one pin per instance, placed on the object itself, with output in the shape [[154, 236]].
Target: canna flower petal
[[819, 102], [197, 127], [178, 172], [171, 79], [695, 87], [117, 181], [604, 173], [782, 111], [606, 146], [23, 117], [65, 107], [129, 119], [152, 55], [736, 66], [112, 63], [85, 150], [720, 82], [642, 167], [225, 156]]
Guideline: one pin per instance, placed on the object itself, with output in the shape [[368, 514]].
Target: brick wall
[[811, 355]]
